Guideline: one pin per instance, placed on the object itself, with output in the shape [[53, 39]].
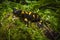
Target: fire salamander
[[26, 17]]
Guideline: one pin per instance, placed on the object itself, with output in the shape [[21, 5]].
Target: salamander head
[[16, 12]]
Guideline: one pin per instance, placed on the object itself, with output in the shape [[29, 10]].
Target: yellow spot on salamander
[[41, 21], [26, 12], [30, 13], [22, 12], [25, 19], [33, 16]]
